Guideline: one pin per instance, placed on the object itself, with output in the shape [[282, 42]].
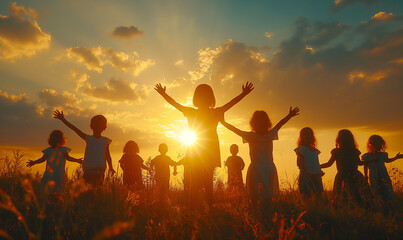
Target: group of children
[[262, 178]]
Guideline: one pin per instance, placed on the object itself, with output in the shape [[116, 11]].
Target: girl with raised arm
[[203, 120], [261, 178]]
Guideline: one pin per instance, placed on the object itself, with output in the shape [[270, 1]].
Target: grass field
[[114, 212]]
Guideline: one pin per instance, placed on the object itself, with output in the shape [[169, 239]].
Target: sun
[[188, 137]]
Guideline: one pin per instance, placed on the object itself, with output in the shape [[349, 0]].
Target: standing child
[[131, 164], [310, 174], [96, 151], [375, 160], [235, 165], [186, 174], [261, 178], [203, 120], [347, 158], [53, 180], [161, 164]]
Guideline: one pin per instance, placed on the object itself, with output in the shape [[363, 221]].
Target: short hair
[[303, 141], [345, 139], [131, 147], [98, 121], [204, 96], [163, 148], [234, 149], [260, 122], [56, 138], [376, 144]]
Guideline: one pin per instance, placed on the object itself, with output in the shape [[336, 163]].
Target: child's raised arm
[[292, 113], [398, 156], [30, 163], [246, 89], [59, 115], [162, 91], [232, 128]]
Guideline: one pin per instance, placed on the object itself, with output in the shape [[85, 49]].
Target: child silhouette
[[96, 151], [131, 164], [347, 157], [186, 174], [261, 178], [53, 180], [235, 165], [161, 164], [310, 175], [375, 160], [203, 120]]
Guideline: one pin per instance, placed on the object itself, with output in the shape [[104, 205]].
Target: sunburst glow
[[188, 137]]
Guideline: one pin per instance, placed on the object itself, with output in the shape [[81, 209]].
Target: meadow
[[115, 212]]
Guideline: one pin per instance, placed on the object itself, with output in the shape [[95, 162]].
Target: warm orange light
[[188, 137]]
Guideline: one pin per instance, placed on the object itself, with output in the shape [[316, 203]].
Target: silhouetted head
[[260, 122], [163, 148], [345, 139], [204, 96], [376, 144], [234, 149], [307, 137], [56, 138], [98, 123], [131, 147]]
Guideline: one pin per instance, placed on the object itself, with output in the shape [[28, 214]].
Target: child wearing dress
[[347, 158], [203, 120], [131, 164], [261, 178], [235, 165], [53, 180], [310, 174], [96, 150], [374, 161], [161, 164]]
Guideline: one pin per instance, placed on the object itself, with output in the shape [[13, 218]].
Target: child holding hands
[[96, 151], [53, 180]]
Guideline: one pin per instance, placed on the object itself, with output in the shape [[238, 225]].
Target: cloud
[[52, 98], [28, 124], [341, 4], [335, 84], [268, 35], [20, 34], [127, 32], [380, 18], [95, 58], [115, 90], [179, 62]]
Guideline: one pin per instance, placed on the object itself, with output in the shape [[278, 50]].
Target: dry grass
[[115, 212]]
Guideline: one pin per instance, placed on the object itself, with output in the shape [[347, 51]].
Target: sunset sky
[[340, 61]]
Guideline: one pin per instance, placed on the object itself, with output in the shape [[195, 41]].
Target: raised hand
[[247, 88], [160, 89], [398, 155], [293, 112], [58, 115]]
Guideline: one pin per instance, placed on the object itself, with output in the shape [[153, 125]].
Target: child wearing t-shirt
[[96, 151], [235, 165]]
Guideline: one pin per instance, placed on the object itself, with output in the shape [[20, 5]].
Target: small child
[[186, 174], [347, 158], [96, 151], [261, 178], [375, 160], [235, 166], [310, 174], [131, 164], [53, 180], [161, 164]]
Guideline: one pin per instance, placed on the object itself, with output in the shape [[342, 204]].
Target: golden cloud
[[20, 34]]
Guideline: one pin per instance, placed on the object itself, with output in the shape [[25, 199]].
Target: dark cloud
[[335, 85], [20, 34], [52, 98], [341, 4], [127, 32], [380, 19], [90, 57]]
